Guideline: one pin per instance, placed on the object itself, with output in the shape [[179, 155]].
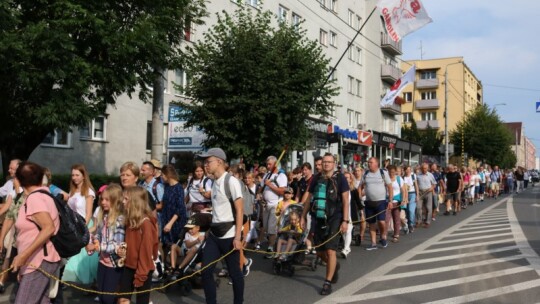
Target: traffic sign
[[538, 107]]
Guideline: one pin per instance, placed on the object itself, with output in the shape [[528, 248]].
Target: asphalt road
[[489, 253]]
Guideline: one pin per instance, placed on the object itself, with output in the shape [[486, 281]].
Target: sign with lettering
[[181, 137]]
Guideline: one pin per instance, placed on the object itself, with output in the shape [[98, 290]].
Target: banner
[[402, 17], [394, 91]]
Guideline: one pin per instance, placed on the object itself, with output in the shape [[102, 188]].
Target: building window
[[358, 22], [332, 74], [149, 135], [323, 37], [333, 5], [95, 129], [181, 81], [350, 85], [429, 116], [407, 96], [283, 14], [253, 3], [350, 51], [429, 95], [358, 118], [296, 19], [350, 21], [333, 39], [358, 55], [188, 31], [322, 2], [358, 88], [350, 116], [407, 117], [58, 138], [428, 75]]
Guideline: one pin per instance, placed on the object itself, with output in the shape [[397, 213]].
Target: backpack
[[248, 203], [72, 233], [326, 199]]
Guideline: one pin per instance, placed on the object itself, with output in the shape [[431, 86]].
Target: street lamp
[[446, 156]]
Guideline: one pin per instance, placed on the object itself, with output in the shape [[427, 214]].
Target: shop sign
[[388, 140], [363, 138]]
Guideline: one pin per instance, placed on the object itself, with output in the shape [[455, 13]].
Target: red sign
[[365, 138]]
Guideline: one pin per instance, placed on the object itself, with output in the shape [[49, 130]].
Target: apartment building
[[369, 67], [440, 82]]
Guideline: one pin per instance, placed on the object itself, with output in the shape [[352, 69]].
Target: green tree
[[254, 85], [429, 139], [485, 137], [64, 61]]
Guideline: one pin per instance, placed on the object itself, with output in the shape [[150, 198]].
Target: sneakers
[[270, 254], [223, 273], [426, 225], [96, 299], [345, 253], [335, 277], [247, 265], [383, 243], [326, 289], [372, 247], [446, 213], [454, 213], [2, 288], [258, 246]]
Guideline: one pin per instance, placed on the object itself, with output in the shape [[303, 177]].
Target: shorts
[[482, 188], [494, 186], [376, 214], [453, 196], [270, 219], [325, 230], [476, 189]]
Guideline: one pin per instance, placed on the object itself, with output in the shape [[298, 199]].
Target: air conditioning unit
[[361, 126]]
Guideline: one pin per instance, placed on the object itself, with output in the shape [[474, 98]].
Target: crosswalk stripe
[[463, 246], [493, 261], [456, 256], [423, 287], [486, 294], [480, 231], [480, 227], [478, 224], [492, 219], [474, 238]]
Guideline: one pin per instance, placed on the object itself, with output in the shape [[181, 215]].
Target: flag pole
[[346, 50]]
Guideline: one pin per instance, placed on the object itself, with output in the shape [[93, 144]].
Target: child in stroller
[[291, 238]]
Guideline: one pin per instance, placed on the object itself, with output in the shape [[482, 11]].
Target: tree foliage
[[255, 84], [429, 139], [64, 61], [485, 137]]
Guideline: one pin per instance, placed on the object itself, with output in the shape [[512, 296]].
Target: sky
[[499, 42]]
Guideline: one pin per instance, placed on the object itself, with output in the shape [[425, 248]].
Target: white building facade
[[367, 70]]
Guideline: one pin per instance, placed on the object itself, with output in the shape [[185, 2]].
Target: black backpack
[[72, 234]]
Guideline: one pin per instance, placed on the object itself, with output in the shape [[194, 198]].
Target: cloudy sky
[[499, 42]]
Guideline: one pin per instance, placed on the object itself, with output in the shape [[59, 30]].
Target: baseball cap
[[192, 222], [289, 190], [216, 152]]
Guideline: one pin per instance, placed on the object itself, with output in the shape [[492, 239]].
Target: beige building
[[425, 101]]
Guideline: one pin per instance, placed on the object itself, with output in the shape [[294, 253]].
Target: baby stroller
[[287, 263], [185, 286]]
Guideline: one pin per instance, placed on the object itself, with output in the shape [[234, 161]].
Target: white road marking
[[462, 246], [480, 228], [475, 238], [480, 231]]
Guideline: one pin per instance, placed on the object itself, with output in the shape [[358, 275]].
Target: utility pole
[[157, 114]]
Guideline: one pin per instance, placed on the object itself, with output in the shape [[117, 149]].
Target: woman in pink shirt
[[38, 210]]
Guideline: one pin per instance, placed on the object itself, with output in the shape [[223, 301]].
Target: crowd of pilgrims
[[147, 218]]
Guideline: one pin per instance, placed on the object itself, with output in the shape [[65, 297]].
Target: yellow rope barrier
[[178, 280]]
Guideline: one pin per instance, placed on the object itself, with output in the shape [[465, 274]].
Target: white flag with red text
[[394, 91], [402, 17]]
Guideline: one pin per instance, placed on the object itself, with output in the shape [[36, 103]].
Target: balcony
[[423, 124], [427, 83], [393, 109], [390, 46], [390, 73], [426, 104]]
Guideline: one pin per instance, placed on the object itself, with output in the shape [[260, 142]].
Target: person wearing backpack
[[36, 223], [226, 228], [399, 199], [330, 193], [199, 190], [377, 187]]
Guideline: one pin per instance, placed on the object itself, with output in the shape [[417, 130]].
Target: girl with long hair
[[141, 242], [109, 242], [199, 190]]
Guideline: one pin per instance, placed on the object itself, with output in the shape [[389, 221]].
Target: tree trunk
[[157, 114]]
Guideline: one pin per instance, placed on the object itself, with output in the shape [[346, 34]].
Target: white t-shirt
[[77, 202], [396, 187], [191, 238], [409, 181], [6, 188], [193, 190], [221, 207], [279, 180], [475, 180]]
